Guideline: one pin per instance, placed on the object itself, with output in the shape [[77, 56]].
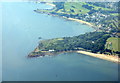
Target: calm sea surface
[[21, 29], [0, 42]]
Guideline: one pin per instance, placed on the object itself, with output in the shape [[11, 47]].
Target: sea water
[[21, 28]]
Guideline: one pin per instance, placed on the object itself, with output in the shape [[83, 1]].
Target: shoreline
[[101, 56], [80, 21], [73, 19], [70, 19], [50, 4], [111, 58]]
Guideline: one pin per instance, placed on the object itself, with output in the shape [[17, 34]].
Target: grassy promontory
[[93, 44]]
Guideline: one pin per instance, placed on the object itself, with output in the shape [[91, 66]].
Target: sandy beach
[[102, 56], [80, 21]]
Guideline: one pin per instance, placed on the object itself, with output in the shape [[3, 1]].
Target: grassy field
[[114, 44], [76, 7]]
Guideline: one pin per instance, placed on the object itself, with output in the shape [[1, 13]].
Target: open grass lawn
[[115, 43], [76, 7]]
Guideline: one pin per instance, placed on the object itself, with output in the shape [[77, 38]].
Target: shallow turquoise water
[[21, 29]]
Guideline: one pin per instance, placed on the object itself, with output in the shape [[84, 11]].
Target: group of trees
[[59, 5], [88, 7]]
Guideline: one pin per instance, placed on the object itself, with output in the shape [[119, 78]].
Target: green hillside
[[113, 44], [103, 15]]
